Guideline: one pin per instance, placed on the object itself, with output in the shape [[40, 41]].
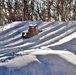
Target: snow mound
[[51, 52]]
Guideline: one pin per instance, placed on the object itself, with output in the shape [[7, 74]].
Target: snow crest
[[51, 52]]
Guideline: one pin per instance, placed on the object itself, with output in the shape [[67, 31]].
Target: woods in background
[[37, 10]]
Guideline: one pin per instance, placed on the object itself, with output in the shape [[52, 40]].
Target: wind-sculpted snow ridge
[[51, 52]]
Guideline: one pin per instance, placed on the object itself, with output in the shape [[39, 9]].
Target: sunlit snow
[[51, 52]]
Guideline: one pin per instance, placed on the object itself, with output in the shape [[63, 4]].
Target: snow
[[51, 52]]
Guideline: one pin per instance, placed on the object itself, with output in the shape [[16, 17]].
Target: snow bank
[[51, 52]]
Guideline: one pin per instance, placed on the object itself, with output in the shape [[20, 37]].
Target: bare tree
[[46, 10]]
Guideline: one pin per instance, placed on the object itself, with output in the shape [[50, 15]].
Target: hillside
[[51, 52]]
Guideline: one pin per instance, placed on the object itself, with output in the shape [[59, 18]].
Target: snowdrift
[[51, 52]]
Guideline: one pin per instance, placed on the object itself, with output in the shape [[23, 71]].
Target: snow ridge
[[48, 53]]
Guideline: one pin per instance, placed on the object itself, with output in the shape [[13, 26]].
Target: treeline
[[43, 10]]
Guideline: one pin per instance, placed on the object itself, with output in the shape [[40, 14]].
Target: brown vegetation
[[45, 10]]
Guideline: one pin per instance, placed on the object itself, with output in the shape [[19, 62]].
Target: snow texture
[[51, 52]]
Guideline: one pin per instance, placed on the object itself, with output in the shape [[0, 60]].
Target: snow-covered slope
[[51, 52]]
